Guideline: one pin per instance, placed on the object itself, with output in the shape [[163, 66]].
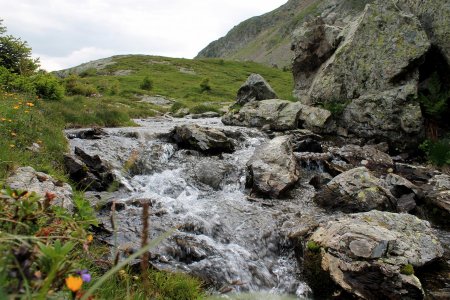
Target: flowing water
[[237, 244], [234, 244]]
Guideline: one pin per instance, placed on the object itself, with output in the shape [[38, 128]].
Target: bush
[[48, 87], [434, 101], [176, 106], [89, 72], [75, 87], [204, 85], [437, 152], [146, 84], [201, 108]]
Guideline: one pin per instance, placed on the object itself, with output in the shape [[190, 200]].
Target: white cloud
[[63, 32]]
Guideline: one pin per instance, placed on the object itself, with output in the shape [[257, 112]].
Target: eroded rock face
[[207, 140], [356, 190], [255, 88], [364, 253], [27, 179], [370, 73], [313, 44], [273, 168], [279, 115]]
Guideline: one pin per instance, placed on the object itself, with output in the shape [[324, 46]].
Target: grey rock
[[438, 197], [181, 112], [364, 253], [89, 172], [208, 114], [313, 44], [280, 115], [27, 179], [354, 155], [273, 168], [212, 173], [207, 140], [255, 88], [356, 190], [405, 191]]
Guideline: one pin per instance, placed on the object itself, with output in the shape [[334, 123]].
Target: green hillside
[[116, 84]]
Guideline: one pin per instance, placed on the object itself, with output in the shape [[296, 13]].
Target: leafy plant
[[146, 84], [204, 85], [434, 101], [437, 152]]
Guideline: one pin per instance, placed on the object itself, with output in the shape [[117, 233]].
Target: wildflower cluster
[[40, 246]]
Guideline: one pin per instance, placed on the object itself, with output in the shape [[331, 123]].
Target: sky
[[66, 33]]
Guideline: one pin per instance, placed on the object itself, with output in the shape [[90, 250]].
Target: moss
[[313, 246], [319, 280], [407, 269]]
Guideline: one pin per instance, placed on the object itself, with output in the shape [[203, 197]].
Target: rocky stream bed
[[287, 213]]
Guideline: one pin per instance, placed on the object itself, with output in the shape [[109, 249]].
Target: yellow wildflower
[[13, 134], [90, 238], [30, 104], [12, 145], [26, 111], [3, 119], [74, 283], [16, 107]]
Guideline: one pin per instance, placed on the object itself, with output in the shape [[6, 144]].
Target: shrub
[[201, 108], [146, 84], [176, 106], [204, 85], [437, 152], [48, 87], [75, 87], [89, 72], [434, 101]]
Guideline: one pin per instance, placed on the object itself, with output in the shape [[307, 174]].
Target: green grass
[[24, 121], [181, 80]]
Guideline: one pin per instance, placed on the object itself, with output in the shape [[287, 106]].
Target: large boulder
[[434, 16], [279, 115], [255, 88], [27, 179], [356, 190], [313, 44], [207, 140], [370, 81], [273, 168], [372, 255]]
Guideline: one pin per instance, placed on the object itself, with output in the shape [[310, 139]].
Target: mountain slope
[[265, 39]]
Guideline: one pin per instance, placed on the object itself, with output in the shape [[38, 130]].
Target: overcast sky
[[66, 33]]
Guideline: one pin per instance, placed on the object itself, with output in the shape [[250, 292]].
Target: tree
[[15, 54]]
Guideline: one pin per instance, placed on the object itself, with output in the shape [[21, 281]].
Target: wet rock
[[89, 134], [365, 253], [273, 168], [308, 145], [208, 114], [255, 88], [27, 179], [151, 159], [88, 171], [207, 140], [212, 173], [279, 115], [356, 190]]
